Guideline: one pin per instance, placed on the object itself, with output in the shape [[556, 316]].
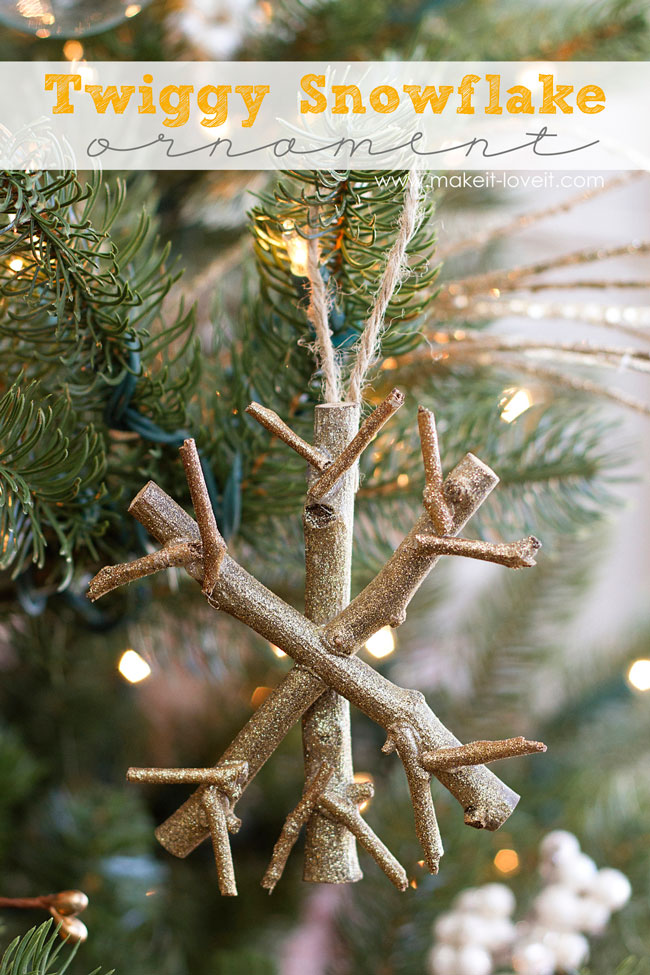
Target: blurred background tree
[[107, 367]]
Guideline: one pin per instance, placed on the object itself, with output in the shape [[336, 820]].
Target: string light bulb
[[363, 777], [73, 50], [276, 650], [507, 861], [513, 403], [297, 250], [16, 264], [382, 643], [133, 667], [639, 675]]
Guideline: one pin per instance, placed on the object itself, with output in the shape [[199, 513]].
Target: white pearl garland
[[576, 899]]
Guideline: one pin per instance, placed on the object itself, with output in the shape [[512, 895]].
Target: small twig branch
[[349, 816], [514, 555], [317, 313], [228, 776], [294, 823], [175, 554], [272, 422], [478, 753], [215, 808], [393, 273], [385, 599], [214, 547], [433, 498], [350, 454], [402, 739]]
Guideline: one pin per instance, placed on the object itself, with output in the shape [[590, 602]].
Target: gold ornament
[[63, 906], [69, 901], [328, 676], [71, 927]]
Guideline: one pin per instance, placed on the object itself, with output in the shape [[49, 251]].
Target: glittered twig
[[227, 776], [214, 547], [514, 555], [478, 753], [350, 454], [433, 498], [214, 805], [176, 554], [349, 816], [272, 422], [294, 823], [402, 740]]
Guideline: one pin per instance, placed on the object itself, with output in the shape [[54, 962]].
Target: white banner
[[303, 115]]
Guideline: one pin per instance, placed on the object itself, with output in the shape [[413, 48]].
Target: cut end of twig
[[396, 398], [101, 584]]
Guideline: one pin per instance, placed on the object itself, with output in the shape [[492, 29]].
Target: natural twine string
[[317, 314], [396, 268]]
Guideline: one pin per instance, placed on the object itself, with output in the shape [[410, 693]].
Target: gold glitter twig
[[175, 554], [272, 422], [514, 555], [347, 813], [293, 824], [478, 753], [214, 547], [401, 739], [215, 806], [433, 498], [224, 785], [228, 776], [330, 851], [350, 454]]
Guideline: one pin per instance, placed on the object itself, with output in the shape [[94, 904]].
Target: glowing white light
[[381, 643], [16, 264], [514, 404], [276, 650], [133, 667], [639, 675]]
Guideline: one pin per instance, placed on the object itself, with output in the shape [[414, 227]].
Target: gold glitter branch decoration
[[327, 675]]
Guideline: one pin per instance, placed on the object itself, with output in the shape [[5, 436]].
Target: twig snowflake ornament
[[323, 642], [323, 645]]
